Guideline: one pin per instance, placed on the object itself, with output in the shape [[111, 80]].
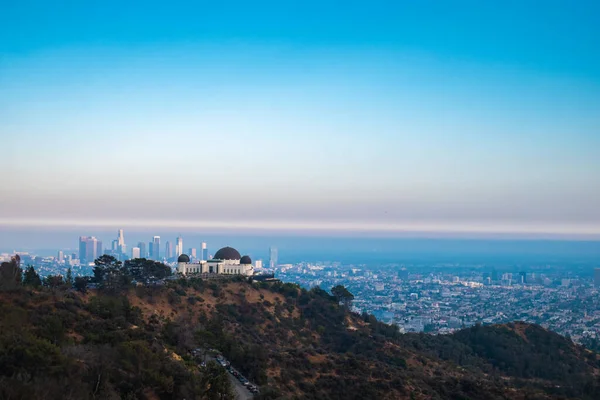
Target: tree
[[105, 264], [53, 281], [143, 269], [342, 295], [69, 277], [81, 284], [11, 274], [110, 274], [216, 383], [31, 278]]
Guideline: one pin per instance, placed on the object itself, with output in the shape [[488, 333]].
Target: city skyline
[[315, 119]]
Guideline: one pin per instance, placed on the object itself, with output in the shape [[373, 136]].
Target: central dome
[[183, 258], [227, 253]]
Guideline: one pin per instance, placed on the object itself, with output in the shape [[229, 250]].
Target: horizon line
[[481, 229]]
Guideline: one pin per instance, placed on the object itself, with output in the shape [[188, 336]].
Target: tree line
[[108, 274]]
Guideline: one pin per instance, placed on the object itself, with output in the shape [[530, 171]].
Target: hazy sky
[[462, 116]]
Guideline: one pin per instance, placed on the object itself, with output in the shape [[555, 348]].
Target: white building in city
[[225, 261]]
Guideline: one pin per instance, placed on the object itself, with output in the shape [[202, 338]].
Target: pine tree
[[69, 277], [31, 278]]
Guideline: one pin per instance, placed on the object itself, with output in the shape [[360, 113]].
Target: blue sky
[[311, 116]]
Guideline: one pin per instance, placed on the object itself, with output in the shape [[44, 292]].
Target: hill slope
[[293, 343]]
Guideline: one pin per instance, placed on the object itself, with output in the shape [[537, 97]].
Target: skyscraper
[[142, 246], [179, 247], [273, 257], [168, 250], [192, 253], [204, 254], [60, 257], [135, 252], [90, 248], [121, 247], [522, 277], [151, 250], [597, 277], [121, 238], [156, 248]]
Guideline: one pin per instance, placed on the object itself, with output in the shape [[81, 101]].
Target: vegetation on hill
[[60, 340]]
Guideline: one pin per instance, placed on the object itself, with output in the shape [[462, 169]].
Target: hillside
[[59, 343]]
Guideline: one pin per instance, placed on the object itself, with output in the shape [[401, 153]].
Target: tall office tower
[[156, 248], [121, 238], [168, 250], [272, 257], [494, 275], [192, 252], [597, 276], [135, 252], [90, 248], [204, 254], [121, 247], [142, 246], [522, 277], [98, 249], [151, 250], [179, 246], [115, 245], [61, 257], [82, 248], [258, 264]]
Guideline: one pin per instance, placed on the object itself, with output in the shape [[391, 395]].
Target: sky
[[463, 117]]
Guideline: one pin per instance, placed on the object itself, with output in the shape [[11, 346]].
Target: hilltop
[[60, 343]]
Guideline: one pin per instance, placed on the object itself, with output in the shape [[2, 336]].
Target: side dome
[[227, 253], [245, 260], [184, 258]]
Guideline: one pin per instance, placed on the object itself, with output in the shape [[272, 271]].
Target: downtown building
[[90, 248]]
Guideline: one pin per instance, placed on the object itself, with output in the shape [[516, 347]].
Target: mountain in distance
[[59, 343]]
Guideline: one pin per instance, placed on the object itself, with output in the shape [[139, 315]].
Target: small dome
[[227, 253], [245, 260], [184, 258]]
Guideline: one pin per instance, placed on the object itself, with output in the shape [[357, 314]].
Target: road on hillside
[[241, 392]]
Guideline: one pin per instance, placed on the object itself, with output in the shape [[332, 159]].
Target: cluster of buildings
[[225, 261], [90, 248], [445, 298]]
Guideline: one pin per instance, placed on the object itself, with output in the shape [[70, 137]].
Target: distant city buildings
[[204, 255], [142, 247], [121, 247], [90, 248], [155, 248], [168, 250], [273, 257], [403, 274], [135, 252], [179, 247]]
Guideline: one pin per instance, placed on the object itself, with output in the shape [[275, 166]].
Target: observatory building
[[225, 261]]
